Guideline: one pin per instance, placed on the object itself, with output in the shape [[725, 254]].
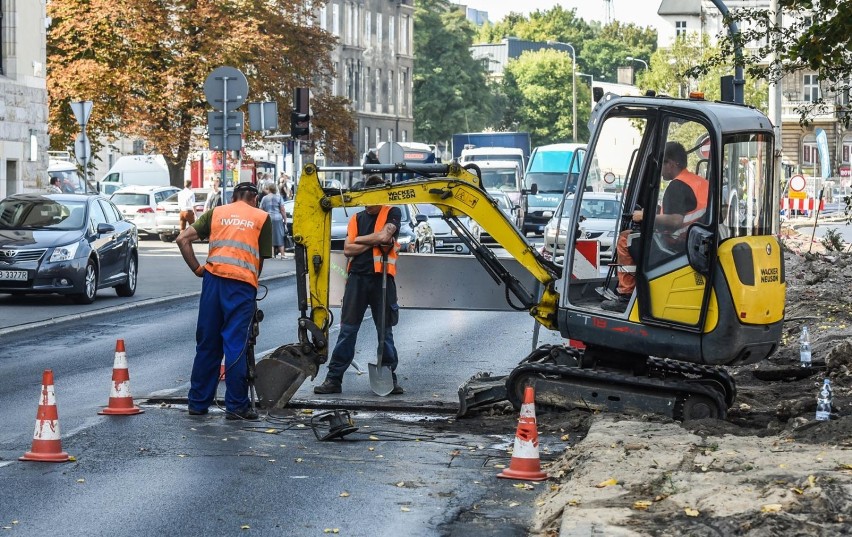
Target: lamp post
[[591, 87], [640, 60], [573, 85]]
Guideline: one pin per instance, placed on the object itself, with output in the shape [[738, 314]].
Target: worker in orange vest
[[372, 233], [240, 238]]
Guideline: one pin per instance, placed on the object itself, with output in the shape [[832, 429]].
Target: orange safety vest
[[352, 233], [234, 242], [700, 189]]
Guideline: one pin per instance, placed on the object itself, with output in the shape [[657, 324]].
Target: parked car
[[138, 204], [510, 209], [446, 240], [167, 213], [599, 213], [71, 244], [415, 234]]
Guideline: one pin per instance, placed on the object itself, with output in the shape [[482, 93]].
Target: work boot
[[248, 414], [329, 386], [397, 389], [618, 305]]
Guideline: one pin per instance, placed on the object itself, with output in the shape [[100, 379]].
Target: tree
[[814, 36], [673, 72], [603, 55], [495, 32], [451, 91], [144, 62], [538, 87]]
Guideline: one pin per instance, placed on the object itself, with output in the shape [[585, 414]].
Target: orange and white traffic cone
[[525, 464], [120, 400], [222, 370], [47, 442]]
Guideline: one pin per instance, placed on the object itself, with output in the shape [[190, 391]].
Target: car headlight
[[64, 253], [403, 239]]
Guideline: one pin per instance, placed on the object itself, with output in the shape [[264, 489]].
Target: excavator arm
[[457, 192]]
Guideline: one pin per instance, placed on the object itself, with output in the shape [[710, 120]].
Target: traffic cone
[[47, 444], [120, 400], [222, 370], [525, 464]]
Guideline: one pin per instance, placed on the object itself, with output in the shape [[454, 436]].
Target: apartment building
[[23, 97], [799, 146]]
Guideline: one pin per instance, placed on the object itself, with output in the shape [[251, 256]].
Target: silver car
[[599, 219], [167, 215], [138, 204]]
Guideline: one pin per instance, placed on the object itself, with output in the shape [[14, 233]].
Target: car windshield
[[42, 214], [551, 181], [129, 198], [593, 208], [339, 215], [429, 210], [504, 178]]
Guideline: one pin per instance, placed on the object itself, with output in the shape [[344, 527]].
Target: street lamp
[[640, 60], [573, 85], [591, 87]]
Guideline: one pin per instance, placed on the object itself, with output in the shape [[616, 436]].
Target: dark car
[[415, 234], [71, 244]]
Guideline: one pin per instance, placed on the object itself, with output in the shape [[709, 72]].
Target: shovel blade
[[381, 379]]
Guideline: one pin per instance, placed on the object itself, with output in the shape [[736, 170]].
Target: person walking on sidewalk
[[274, 206], [186, 205], [240, 237], [372, 233]]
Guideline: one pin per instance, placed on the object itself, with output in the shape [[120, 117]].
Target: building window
[[366, 139], [334, 76], [368, 27], [390, 135], [404, 135], [403, 35], [335, 20], [811, 88], [810, 154], [323, 14], [391, 33], [680, 28], [379, 30], [138, 147], [378, 136], [403, 89], [391, 92], [377, 86], [846, 150]]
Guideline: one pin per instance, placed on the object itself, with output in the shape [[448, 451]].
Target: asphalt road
[[409, 470]]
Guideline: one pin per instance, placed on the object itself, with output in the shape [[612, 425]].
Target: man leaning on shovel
[[372, 251]]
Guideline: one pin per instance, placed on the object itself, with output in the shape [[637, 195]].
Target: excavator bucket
[[279, 376]]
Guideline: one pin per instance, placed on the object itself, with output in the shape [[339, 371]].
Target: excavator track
[[673, 395]]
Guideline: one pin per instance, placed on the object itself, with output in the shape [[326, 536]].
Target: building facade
[[23, 97], [374, 66], [799, 146]]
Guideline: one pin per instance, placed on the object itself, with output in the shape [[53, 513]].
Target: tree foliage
[[538, 88], [451, 92], [813, 36], [144, 62]]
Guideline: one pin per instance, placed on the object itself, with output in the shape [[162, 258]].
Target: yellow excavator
[[708, 293]]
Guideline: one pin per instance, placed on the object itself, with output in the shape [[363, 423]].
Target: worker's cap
[[246, 187]]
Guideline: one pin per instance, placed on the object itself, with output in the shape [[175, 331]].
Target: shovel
[[381, 377]]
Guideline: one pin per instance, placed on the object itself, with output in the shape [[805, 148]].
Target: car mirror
[[699, 248], [105, 228]]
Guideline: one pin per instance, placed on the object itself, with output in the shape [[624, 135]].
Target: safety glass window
[[748, 190]]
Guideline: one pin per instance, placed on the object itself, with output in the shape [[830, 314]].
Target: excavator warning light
[[696, 95]]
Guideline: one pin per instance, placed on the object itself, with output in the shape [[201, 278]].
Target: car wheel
[[90, 285], [128, 288], [167, 238]]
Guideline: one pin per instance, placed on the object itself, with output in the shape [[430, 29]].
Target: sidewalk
[[163, 276]]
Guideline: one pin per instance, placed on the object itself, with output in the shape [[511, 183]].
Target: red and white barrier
[[587, 254], [808, 204]]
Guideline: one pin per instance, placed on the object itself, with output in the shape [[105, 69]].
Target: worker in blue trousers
[[240, 237]]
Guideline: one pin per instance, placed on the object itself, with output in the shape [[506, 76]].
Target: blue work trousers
[[363, 291], [224, 319]]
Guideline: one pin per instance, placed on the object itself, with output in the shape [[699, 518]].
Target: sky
[[641, 12]]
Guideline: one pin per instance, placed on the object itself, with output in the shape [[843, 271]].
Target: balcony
[[822, 113]]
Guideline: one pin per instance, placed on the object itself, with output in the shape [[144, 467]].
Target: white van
[[478, 154], [142, 170]]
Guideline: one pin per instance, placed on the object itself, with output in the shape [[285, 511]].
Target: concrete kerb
[[116, 309]]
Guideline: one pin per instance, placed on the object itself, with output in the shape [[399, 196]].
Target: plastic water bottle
[[823, 411], [805, 348]]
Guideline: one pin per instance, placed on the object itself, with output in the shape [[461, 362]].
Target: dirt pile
[[769, 469]]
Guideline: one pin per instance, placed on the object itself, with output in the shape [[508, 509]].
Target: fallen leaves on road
[[641, 505], [299, 459], [524, 486], [344, 494], [331, 530], [689, 511], [404, 509], [81, 480], [771, 508], [401, 484], [514, 504], [608, 483], [373, 438]]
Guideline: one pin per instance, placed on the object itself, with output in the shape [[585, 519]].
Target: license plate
[[172, 212], [15, 275], [439, 242]]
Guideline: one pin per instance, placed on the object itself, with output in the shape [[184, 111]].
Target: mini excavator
[[712, 296]]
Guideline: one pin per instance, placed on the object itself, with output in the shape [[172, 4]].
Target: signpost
[[82, 147], [225, 88], [797, 187]]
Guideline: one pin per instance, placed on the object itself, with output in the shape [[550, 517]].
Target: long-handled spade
[[381, 377]]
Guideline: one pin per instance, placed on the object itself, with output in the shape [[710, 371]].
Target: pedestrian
[[53, 187], [284, 187], [274, 206], [214, 199], [186, 205], [264, 191], [371, 234], [240, 237], [684, 203]]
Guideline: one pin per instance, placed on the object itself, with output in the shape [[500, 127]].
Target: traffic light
[[300, 116]]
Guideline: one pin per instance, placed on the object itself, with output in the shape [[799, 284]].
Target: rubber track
[[667, 366]]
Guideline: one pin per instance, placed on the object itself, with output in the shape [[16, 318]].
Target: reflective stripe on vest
[[234, 242], [381, 220], [700, 189]]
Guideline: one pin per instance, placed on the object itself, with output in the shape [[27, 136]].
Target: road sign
[[704, 150], [263, 116], [82, 148], [217, 126], [391, 153], [82, 110], [609, 178], [226, 85], [798, 183], [798, 194]]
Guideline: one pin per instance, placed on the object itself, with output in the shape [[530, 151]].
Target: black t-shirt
[[679, 198], [363, 262]]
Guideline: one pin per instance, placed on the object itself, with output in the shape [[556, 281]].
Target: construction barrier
[[808, 204], [47, 441], [586, 260]]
